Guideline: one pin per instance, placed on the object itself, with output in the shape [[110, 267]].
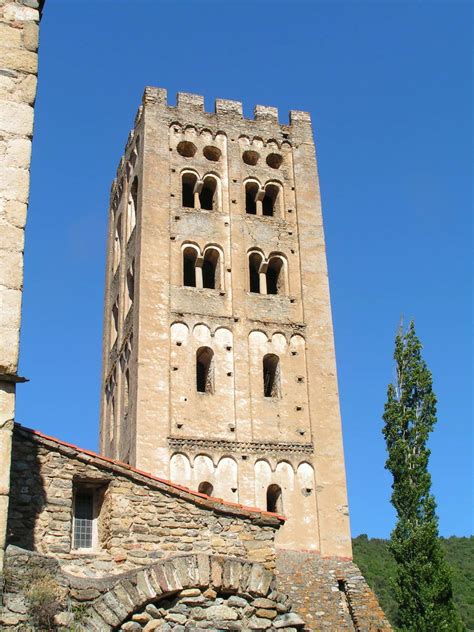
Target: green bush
[[44, 597]]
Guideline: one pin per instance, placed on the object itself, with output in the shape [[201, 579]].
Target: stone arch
[[226, 479], [201, 332], [297, 343], [213, 268], [255, 261], [223, 336], [279, 342], [262, 479], [277, 274], [189, 184], [180, 469], [167, 578], [271, 375], [205, 370], [251, 187], [179, 333], [191, 130], [203, 470], [210, 193]]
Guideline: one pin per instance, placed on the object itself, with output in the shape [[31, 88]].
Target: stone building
[[218, 351], [219, 375]]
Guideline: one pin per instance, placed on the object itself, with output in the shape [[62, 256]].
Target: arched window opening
[[211, 269], [115, 317], [133, 206], [134, 154], [206, 488], [188, 185], [251, 190], [275, 276], [125, 393], [110, 407], [271, 200], [274, 499], [208, 194], [118, 242], [131, 284], [271, 375], [189, 267], [205, 370], [255, 261]]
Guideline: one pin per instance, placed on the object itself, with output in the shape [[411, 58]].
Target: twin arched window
[[200, 194], [205, 373], [265, 201], [202, 271], [267, 277]]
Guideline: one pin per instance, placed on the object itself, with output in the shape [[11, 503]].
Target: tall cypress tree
[[423, 583]]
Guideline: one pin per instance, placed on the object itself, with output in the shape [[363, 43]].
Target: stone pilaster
[[19, 24]]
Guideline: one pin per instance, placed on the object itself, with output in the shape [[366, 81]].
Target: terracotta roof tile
[[218, 503]]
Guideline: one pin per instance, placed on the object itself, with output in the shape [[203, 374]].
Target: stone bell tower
[[219, 367]]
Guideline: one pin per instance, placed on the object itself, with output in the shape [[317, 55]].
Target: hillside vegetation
[[377, 565]]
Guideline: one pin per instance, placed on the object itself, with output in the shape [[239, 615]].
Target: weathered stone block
[[288, 620], [221, 612], [30, 36], [18, 59]]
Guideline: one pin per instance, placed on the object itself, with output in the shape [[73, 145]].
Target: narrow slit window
[[211, 269], [274, 499], [189, 267], [126, 394], [207, 197], [83, 519], [251, 190], [270, 200], [131, 284], [271, 375], [205, 488], [255, 261], [111, 410], [205, 370], [133, 206], [188, 185], [115, 320], [117, 243], [275, 276]]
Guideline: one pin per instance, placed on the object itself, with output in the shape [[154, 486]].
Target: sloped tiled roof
[[117, 467]]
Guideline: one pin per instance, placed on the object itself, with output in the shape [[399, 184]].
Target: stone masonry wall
[[19, 20], [329, 594], [141, 519], [192, 592]]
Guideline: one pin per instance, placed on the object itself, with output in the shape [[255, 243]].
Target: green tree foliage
[[373, 557], [422, 584]]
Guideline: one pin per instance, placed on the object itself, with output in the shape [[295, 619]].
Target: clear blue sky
[[388, 87]]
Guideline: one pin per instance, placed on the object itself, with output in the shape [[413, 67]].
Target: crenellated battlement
[[222, 107], [226, 113]]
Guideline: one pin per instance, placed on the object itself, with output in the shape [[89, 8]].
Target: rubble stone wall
[[200, 591], [329, 593]]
